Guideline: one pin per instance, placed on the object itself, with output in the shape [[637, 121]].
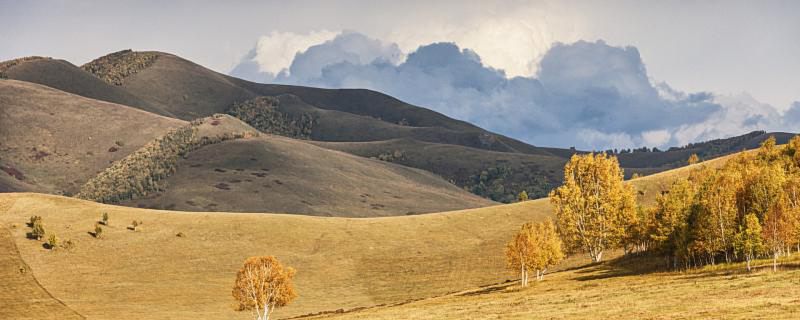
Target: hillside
[[67, 140], [614, 290], [342, 263], [360, 122], [53, 142], [64, 76], [496, 175], [277, 174]]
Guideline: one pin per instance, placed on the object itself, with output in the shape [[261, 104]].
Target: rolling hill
[[360, 122], [342, 263], [68, 140], [53, 142]]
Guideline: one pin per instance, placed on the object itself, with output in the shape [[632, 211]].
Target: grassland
[[342, 263], [614, 291]]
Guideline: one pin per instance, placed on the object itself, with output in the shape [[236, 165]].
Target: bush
[[52, 241], [180, 235], [98, 231], [135, 225], [105, 218], [37, 228]]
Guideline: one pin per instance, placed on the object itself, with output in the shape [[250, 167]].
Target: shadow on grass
[[629, 265]]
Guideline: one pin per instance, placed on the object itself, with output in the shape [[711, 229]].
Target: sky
[[590, 74]]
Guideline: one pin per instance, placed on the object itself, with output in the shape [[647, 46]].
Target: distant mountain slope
[[278, 174], [64, 76], [189, 91], [365, 122], [53, 142], [496, 175]]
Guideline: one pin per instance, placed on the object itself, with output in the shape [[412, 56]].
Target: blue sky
[[591, 74]]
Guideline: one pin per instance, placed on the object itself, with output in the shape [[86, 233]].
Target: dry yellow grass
[[601, 292], [342, 263]]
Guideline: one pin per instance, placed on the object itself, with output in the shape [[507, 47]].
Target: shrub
[[52, 241], [135, 225], [105, 218], [37, 229], [180, 235], [98, 231]]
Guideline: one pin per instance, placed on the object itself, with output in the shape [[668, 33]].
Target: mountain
[[357, 121], [56, 142], [53, 142]]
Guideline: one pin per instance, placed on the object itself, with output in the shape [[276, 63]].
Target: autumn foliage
[[536, 247], [748, 208], [594, 208], [262, 285]]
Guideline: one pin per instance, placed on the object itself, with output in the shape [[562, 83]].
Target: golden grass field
[[440, 265]]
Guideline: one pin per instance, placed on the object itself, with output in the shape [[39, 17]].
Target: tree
[[37, 228], [536, 247], [519, 251], [775, 231], [523, 196], [693, 159], [748, 241], [105, 218], [550, 248], [262, 285], [594, 208], [670, 223]]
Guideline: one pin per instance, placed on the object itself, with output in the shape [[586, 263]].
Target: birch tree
[[262, 285], [536, 247], [594, 208], [748, 241]]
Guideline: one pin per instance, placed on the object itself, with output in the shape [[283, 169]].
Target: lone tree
[[594, 208], [523, 196], [535, 247], [693, 159], [105, 218], [262, 285]]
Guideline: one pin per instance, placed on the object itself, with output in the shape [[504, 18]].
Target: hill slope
[[342, 263], [277, 174], [52, 141], [64, 76]]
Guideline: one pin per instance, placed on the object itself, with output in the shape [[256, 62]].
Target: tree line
[[744, 209]]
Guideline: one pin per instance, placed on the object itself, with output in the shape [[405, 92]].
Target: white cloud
[[656, 137], [275, 51], [590, 95]]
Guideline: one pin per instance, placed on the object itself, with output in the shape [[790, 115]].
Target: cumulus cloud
[[275, 51], [590, 95]]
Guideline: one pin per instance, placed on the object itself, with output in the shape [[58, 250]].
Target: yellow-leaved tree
[[693, 159], [262, 285], [536, 247], [594, 208]]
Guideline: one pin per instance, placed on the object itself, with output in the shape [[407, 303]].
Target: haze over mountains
[[397, 158]]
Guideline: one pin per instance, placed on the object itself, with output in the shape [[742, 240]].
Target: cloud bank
[[589, 95]]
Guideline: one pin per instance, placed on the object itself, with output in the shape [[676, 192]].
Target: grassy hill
[[277, 174], [374, 124], [342, 263], [53, 142], [614, 290]]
